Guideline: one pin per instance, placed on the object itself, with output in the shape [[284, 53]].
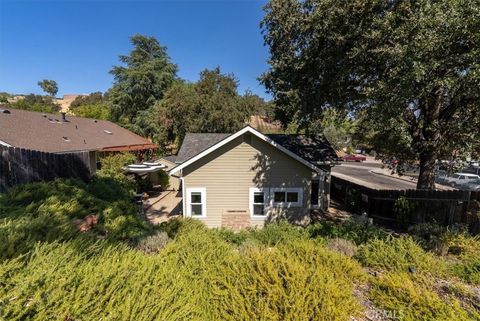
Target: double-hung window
[[196, 202], [258, 202], [288, 197]]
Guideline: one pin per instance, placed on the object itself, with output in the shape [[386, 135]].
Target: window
[[315, 192], [279, 197], [258, 201], [291, 197], [196, 204]]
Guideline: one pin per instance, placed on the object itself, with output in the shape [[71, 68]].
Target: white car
[[459, 179]]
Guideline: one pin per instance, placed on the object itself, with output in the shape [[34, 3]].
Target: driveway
[[361, 173], [371, 175]]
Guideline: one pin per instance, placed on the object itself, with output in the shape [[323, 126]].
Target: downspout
[[184, 208]]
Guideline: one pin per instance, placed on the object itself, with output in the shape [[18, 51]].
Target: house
[[248, 178], [67, 134]]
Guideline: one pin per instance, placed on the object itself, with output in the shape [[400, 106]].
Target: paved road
[[360, 173]]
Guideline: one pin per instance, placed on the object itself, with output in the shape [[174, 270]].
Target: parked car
[[459, 179], [471, 185], [354, 158]]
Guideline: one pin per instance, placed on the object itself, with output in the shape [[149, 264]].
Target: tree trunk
[[426, 178]]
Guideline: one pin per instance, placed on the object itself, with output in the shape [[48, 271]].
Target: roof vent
[[5, 111], [107, 132], [65, 138]]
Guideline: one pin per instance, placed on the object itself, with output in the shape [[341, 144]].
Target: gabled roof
[[195, 149], [49, 133]]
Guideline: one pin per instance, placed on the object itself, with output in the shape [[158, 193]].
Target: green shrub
[[399, 254], [163, 179], [197, 276], [274, 233], [111, 167], [232, 237], [406, 299], [293, 281], [434, 237], [467, 253], [177, 225], [403, 209], [350, 230], [108, 189], [48, 211]]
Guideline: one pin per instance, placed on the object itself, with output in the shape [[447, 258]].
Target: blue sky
[[77, 42]]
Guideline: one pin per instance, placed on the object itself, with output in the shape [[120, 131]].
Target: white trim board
[[4, 144], [228, 139]]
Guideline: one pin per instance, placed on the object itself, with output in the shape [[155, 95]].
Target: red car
[[354, 158]]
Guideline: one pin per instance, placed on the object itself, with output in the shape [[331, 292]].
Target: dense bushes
[[198, 276], [122, 268], [52, 211], [357, 232], [111, 168], [410, 301], [400, 255]]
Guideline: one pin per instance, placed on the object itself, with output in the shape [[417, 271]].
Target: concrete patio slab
[[167, 205]]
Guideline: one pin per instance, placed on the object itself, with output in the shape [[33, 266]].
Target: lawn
[[125, 269]]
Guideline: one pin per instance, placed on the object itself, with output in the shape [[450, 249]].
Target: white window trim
[[203, 192], [299, 190], [266, 201]]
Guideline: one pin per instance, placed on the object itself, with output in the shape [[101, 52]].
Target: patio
[[163, 207]]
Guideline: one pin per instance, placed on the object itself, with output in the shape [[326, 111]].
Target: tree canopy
[[49, 86], [44, 104], [211, 105], [92, 99], [413, 65], [142, 79]]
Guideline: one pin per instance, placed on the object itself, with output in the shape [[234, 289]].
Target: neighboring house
[[66, 134], [169, 163], [247, 178]]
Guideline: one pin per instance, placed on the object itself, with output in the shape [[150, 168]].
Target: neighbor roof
[[200, 145], [47, 132]]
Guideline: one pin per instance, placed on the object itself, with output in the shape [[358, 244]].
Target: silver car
[[460, 179]]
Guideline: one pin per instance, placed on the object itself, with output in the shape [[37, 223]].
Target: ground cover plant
[[46, 212], [125, 269]]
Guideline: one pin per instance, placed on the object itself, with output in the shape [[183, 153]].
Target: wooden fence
[[19, 166], [421, 206]]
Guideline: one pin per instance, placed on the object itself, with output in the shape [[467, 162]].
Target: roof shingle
[[48, 133], [314, 149]]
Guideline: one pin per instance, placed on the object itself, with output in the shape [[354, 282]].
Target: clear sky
[[77, 42]]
